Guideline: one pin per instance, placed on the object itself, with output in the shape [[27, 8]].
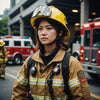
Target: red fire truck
[[90, 47], [18, 48]]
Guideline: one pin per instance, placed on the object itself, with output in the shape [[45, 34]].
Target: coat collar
[[59, 57]]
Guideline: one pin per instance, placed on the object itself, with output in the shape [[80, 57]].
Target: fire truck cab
[[90, 47], [18, 48]]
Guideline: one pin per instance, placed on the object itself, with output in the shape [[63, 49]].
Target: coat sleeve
[[77, 81], [21, 83]]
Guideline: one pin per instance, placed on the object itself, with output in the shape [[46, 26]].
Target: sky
[[3, 5]]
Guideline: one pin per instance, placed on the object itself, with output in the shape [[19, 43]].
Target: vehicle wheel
[[92, 75], [17, 59], [76, 56]]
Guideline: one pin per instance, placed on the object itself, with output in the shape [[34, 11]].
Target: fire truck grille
[[94, 53], [86, 55]]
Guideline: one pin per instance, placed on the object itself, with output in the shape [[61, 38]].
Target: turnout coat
[[38, 84], [3, 60]]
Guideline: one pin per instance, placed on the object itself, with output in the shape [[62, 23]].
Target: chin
[[45, 43]]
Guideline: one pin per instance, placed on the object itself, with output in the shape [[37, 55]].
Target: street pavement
[[6, 88]]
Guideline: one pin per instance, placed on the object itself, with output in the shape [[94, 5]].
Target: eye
[[49, 28], [39, 28]]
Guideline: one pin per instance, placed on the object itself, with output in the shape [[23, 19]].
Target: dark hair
[[58, 26]]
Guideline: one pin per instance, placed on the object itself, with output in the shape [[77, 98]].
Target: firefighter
[[46, 74], [3, 59]]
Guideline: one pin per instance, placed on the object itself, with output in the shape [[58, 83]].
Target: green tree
[[4, 26]]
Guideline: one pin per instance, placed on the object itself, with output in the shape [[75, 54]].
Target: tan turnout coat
[[3, 60], [38, 84]]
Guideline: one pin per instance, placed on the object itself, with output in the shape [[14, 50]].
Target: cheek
[[53, 34]]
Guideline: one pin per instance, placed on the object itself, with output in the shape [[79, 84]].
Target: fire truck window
[[96, 37], [86, 38], [17, 43], [6, 43], [27, 43]]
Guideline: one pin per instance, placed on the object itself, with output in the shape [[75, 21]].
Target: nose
[[44, 32]]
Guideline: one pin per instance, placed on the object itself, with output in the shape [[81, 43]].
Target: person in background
[[3, 59], [51, 33]]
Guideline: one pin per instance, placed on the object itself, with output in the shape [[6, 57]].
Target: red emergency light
[[7, 36]]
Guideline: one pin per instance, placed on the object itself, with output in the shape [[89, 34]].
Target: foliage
[[4, 26]]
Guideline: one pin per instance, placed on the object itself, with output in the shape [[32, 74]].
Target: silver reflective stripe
[[74, 82], [49, 98], [22, 80], [38, 81]]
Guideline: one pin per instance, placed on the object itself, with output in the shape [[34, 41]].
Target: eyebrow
[[46, 26]]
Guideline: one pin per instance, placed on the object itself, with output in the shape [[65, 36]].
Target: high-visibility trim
[[6, 60], [22, 80], [38, 81], [36, 97], [1, 54], [2, 76], [59, 82], [1, 59], [74, 82], [55, 82]]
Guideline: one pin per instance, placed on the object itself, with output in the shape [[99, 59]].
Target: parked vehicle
[[76, 50], [18, 48], [90, 47]]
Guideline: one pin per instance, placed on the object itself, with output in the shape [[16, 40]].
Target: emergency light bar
[[96, 24], [17, 37], [7, 36], [86, 25]]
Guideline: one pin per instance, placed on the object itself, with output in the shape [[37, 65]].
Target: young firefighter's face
[[46, 33]]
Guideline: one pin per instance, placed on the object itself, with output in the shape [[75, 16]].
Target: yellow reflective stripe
[[55, 82], [1, 59], [1, 54], [39, 81], [22, 80], [2, 75], [58, 82], [6, 59], [36, 97], [74, 82]]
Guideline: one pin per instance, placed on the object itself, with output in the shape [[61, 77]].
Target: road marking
[[10, 75], [12, 70], [95, 96]]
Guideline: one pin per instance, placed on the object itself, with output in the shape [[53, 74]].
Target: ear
[[61, 32]]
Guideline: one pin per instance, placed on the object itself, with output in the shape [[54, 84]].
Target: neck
[[49, 49]]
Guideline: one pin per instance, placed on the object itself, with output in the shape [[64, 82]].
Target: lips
[[44, 38]]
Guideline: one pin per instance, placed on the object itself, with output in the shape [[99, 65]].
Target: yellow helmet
[[2, 43], [52, 13]]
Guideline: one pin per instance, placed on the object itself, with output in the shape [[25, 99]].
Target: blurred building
[[5, 13], [76, 11], [1, 16], [12, 3]]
